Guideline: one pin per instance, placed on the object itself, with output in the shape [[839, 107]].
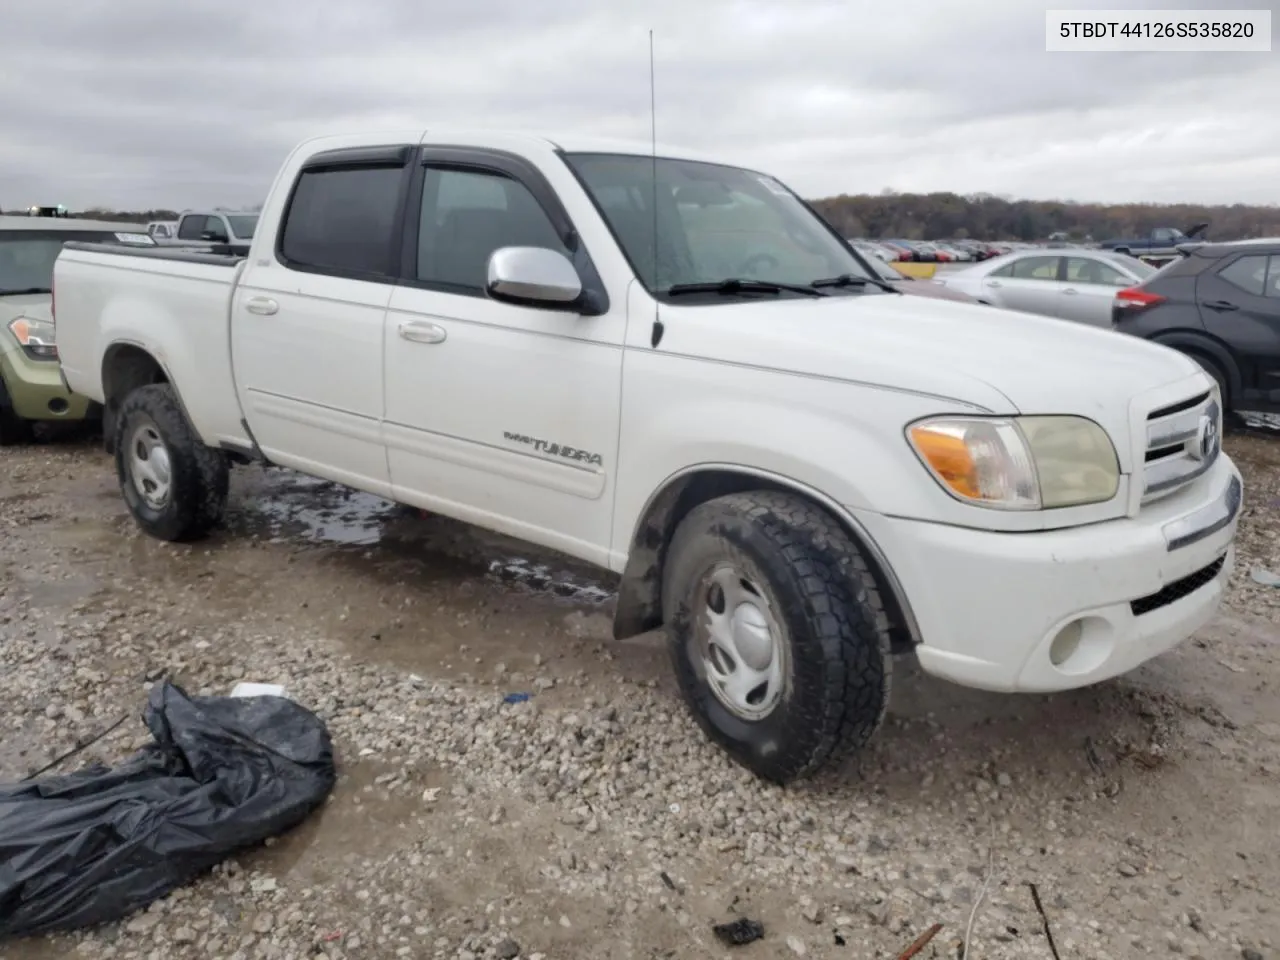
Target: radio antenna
[[656, 337]]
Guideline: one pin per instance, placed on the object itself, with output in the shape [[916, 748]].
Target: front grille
[[1178, 589], [1183, 441]]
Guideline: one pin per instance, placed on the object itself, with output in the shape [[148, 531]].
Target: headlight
[[36, 337], [1019, 463]]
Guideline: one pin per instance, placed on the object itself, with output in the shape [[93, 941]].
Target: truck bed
[[218, 254], [112, 297]]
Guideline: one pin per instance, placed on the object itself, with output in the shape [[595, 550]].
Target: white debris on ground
[[594, 820]]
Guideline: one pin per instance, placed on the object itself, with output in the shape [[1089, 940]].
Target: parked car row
[[1069, 283], [936, 251], [916, 286], [1218, 303]]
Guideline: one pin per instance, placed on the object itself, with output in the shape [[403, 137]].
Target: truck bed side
[[111, 301]]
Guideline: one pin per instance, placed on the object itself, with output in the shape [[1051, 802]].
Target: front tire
[[175, 486], [13, 428], [777, 633]]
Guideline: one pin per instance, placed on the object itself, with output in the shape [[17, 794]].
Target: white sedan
[[1067, 283]]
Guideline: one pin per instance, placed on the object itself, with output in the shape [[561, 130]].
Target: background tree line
[[141, 216], [982, 216]]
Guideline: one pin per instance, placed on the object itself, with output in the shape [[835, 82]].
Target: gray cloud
[[140, 103]]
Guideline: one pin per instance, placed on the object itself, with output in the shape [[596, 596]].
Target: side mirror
[[535, 275]]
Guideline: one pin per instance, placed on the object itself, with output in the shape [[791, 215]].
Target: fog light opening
[[1082, 646], [58, 405], [1066, 643]]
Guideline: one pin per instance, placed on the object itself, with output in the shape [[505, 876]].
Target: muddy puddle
[[281, 506]]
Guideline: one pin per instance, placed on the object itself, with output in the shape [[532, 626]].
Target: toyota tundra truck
[[673, 368]]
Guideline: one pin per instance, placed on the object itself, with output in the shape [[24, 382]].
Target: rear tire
[[777, 633], [175, 486]]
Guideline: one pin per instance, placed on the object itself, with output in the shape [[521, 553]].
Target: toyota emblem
[[1206, 443]]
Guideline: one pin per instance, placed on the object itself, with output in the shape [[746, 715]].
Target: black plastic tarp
[[223, 774]]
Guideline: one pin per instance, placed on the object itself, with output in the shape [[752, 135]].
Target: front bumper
[[35, 387], [989, 606]]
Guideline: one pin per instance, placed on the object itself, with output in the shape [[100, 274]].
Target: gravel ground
[[594, 821]]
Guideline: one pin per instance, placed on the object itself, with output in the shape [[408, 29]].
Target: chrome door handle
[[420, 332], [262, 306], [993, 283], [1071, 291]]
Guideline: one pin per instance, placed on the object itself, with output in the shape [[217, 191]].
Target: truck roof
[[53, 224], [499, 138]]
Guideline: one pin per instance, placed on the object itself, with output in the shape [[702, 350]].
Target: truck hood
[[1001, 360], [932, 289]]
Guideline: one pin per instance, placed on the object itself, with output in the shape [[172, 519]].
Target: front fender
[[1196, 341]]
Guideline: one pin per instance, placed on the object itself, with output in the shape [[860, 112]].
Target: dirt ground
[[594, 821]]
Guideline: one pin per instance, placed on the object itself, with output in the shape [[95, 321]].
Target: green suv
[[31, 388]]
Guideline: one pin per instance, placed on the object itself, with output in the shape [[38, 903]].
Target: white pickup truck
[[674, 369]]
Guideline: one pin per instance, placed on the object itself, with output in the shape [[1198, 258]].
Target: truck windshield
[[713, 223], [27, 256], [243, 226]]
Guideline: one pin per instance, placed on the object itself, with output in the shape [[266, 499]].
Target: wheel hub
[[739, 643], [150, 468]]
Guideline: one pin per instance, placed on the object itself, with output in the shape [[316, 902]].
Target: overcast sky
[[135, 104]]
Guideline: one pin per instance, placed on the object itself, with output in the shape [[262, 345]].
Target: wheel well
[[124, 369], [640, 592]]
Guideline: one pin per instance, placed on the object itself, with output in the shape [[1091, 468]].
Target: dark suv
[[1220, 304]]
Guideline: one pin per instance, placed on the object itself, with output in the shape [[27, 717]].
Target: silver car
[[1071, 284]]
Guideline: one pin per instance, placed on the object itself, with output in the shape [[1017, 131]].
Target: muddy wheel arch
[[639, 607], [126, 366]]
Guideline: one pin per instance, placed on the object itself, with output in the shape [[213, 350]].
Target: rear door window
[[1035, 268], [1088, 270], [342, 221], [1272, 287], [1247, 273]]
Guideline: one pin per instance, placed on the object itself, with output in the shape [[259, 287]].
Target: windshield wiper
[[853, 280], [737, 285], [23, 291]]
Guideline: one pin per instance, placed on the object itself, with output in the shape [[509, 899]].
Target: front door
[[308, 323], [1240, 305], [499, 414]]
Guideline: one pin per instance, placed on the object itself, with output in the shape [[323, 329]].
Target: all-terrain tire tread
[[201, 474], [845, 612]]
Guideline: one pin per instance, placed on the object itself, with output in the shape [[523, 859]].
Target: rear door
[[1029, 283], [1089, 290], [1239, 304], [308, 316]]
